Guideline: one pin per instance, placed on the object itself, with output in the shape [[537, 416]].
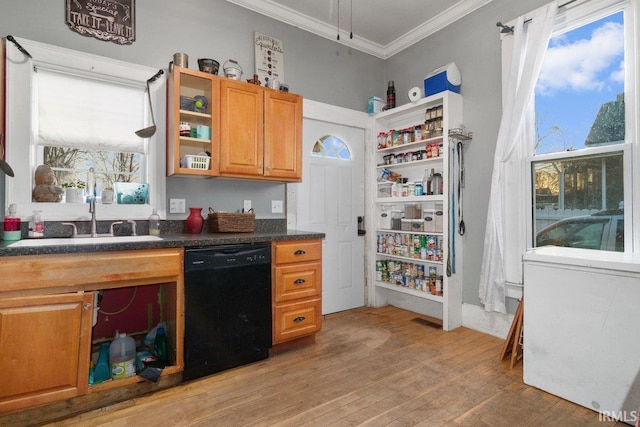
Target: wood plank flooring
[[370, 367]]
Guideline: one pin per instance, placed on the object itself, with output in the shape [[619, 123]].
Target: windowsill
[[80, 211], [584, 258]]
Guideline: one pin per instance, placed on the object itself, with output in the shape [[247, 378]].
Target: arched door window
[[331, 147]]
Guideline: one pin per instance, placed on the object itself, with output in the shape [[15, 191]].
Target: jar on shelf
[[185, 129], [395, 138], [382, 140]]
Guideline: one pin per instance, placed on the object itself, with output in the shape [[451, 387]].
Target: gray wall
[[473, 43], [314, 67], [317, 68]]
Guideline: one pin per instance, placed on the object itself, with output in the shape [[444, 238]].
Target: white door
[[329, 200]]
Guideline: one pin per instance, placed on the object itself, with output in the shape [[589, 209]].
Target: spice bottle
[[391, 95]]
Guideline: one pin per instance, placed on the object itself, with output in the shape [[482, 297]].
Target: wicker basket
[[230, 222]]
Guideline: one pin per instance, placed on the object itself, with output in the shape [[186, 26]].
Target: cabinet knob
[[299, 319], [299, 281], [299, 252], [86, 306]]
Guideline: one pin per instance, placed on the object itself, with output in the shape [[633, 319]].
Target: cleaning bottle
[[122, 357], [101, 370], [160, 344], [154, 223], [36, 226], [11, 225]]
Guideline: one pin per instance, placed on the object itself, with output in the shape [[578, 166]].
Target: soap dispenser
[[11, 225], [154, 223], [36, 225]]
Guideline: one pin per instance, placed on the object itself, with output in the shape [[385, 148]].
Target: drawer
[[297, 281], [297, 251], [296, 320]]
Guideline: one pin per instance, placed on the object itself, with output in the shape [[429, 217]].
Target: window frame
[[21, 108], [518, 235]]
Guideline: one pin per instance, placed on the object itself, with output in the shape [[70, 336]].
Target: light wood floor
[[376, 367]]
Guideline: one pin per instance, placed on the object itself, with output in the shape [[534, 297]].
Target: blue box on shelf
[[443, 78]]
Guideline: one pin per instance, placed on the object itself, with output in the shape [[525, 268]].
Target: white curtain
[[530, 40]]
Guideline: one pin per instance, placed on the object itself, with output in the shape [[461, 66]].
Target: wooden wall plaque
[[108, 20]]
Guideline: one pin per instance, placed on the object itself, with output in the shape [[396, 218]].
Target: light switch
[[177, 206]]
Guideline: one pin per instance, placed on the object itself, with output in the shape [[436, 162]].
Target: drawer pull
[[299, 252], [299, 319], [299, 281]]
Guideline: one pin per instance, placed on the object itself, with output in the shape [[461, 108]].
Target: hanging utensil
[[148, 132], [460, 149], [3, 164]]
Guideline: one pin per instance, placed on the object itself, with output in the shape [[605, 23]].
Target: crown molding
[[322, 29]]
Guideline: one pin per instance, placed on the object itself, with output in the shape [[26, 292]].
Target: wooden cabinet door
[[241, 129], [283, 136], [44, 348], [183, 149]]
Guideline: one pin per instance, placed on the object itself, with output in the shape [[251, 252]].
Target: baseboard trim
[[492, 323]]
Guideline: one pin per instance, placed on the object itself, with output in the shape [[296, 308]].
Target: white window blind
[[76, 111]]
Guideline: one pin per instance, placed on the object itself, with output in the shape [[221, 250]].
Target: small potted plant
[[74, 191]]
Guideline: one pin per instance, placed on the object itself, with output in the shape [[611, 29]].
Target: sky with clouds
[[582, 70]]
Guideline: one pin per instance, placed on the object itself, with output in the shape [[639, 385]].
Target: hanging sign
[[269, 58], [108, 20]]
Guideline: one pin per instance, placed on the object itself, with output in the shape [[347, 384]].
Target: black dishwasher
[[227, 293]]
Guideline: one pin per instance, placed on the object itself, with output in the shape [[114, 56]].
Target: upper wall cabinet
[[193, 123], [260, 132]]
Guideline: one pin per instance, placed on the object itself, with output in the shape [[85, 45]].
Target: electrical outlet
[[276, 206], [177, 206], [247, 205]]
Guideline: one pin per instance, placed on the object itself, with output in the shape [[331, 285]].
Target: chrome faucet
[[92, 210]]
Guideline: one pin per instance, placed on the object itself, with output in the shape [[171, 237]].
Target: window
[[581, 167], [74, 111], [331, 147]]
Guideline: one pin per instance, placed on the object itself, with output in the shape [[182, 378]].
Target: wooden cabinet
[[260, 132], [185, 153], [45, 343], [46, 311], [297, 291]]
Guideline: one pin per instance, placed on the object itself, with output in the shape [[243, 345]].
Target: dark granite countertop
[[173, 240]]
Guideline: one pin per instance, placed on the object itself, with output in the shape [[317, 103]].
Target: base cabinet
[[297, 290], [44, 344], [46, 315]]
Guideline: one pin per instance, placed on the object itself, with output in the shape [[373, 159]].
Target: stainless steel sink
[[82, 240]]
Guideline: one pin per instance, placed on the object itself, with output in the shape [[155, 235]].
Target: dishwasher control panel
[[216, 257]]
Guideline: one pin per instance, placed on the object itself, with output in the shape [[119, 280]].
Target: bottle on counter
[[36, 225], [154, 223], [391, 95], [11, 226]]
